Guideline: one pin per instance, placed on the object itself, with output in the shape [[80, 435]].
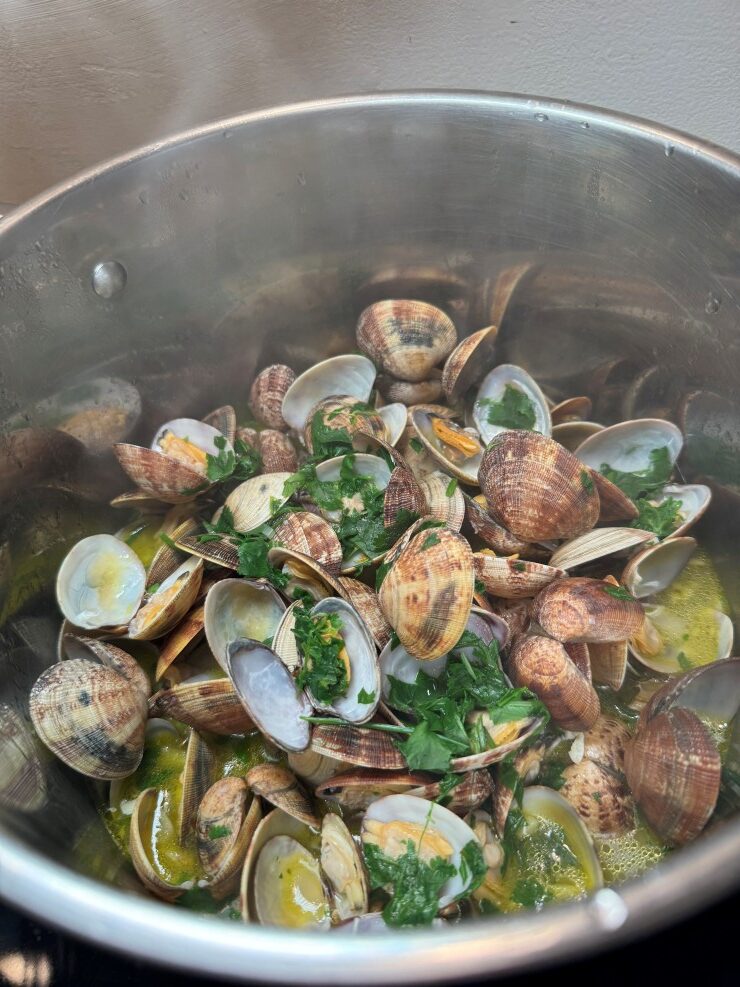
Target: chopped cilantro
[[416, 445], [530, 893], [169, 542], [683, 662], [618, 592], [519, 566], [642, 482], [365, 697], [326, 441], [472, 866], [513, 410], [415, 883], [241, 463], [252, 548], [320, 643], [429, 541], [451, 487], [596, 796], [661, 519], [551, 775], [153, 588], [217, 832], [586, 482], [479, 587]]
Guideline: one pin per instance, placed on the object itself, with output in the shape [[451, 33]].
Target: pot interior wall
[[263, 240]]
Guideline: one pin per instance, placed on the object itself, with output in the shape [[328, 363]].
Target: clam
[[571, 410], [573, 434], [240, 608], [90, 717], [22, 777], [222, 552], [527, 764], [536, 489], [366, 603], [281, 881], [109, 655], [277, 451], [694, 499], [256, 500], [349, 375], [169, 603], [444, 499], [544, 666], [29, 456], [196, 779], [711, 691], [305, 573], [186, 634], [512, 578], [530, 410], [343, 869], [598, 544], [363, 464], [655, 568], [605, 743], [266, 688], [312, 536], [311, 767], [224, 420], [267, 394], [211, 705], [673, 769], [468, 362], [407, 392], [361, 660], [394, 419], [146, 810], [586, 610], [471, 792], [280, 787], [404, 494], [428, 591], [608, 663], [406, 338], [358, 746], [544, 803], [344, 415], [354, 790], [226, 822], [284, 643], [391, 821], [599, 797], [627, 446], [167, 558], [492, 534], [100, 583], [456, 449], [137, 500], [614, 505]]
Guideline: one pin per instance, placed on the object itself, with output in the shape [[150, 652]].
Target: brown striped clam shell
[[277, 451], [582, 609], [406, 338], [267, 392], [212, 706], [225, 824], [280, 787], [513, 579], [311, 535], [356, 745]]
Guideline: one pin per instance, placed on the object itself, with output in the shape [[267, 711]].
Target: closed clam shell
[[513, 578], [223, 419], [355, 745], [169, 603], [349, 374], [597, 544], [277, 451], [212, 706], [608, 662], [366, 603], [571, 410], [256, 500], [267, 392], [572, 434], [90, 717], [427, 593], [249, 436], [544, 666], [468, 362], [313, 768], [158, 476], [343, 868], [280, 787], [599, 797], [444, 499], [582, 609], [197, 778], [673, 769], [137, 500], [186, 633], [406, 338], [226, 821], [311, 535], [410, 392], [403, 493], [345, 414], [355, 789], [22, 777], [535, 488], [480, 522]]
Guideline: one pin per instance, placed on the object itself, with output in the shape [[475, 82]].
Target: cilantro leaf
[[642, 482], [320, 643], [618, 592], [513, 410], [415, 884], [217, 832], [429, 541], [451, 487], [416, 445], [586, 482], [661, 519], [530, 893], [241, 463], [365, 697], [472, 866], [425, 750], [683, 662]]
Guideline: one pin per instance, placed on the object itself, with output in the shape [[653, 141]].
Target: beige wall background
[[81, 80]]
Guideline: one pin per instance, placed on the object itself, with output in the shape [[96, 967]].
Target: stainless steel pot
[[182, 266]]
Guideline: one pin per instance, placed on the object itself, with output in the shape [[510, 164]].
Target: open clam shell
[[343, 869], [211, 705], [268, 693], [256, 500], [90, 717], [140, 843], [493, 388], [711, 691], [107, 654], [468, 362], [655, 568], [407, 392], [169, 603], [166, 558], [537, 489], [186, 634], [627, 446], [158, 477], [406, 338], [280, 787], [313, 768], [100, 583], [614, 505], [600, 798], [363, 464], [352, 375], [311, 535], [404, 493], [344, 414], [363, 664], [388, 818], [305, 573], [544, 666], [658, 645], [192, 433], [267, 394], [196, 777], [240, 608], [608, 663], [354, 790], [226, 822], [513, 579], [546, 803], [444, 499], [453, 447], [571, 410], [694, 499], [598, 544], [427, 593], [284, 643], [223, 419]]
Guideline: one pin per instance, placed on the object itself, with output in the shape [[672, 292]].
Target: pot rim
[[158, 933]]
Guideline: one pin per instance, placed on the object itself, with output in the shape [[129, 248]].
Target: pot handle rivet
[[108, 278]]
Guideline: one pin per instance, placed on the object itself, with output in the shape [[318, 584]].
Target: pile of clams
[[416, 622]]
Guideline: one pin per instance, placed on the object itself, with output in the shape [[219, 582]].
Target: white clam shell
[[394, 417], [100, 583], [627, 446], [199, 433], [240, 608], [350, 375], [492, 388]]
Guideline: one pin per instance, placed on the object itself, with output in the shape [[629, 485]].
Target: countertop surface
[[703, 946]]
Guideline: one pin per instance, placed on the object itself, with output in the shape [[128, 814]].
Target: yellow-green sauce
[[143, 537], [630, 854]]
